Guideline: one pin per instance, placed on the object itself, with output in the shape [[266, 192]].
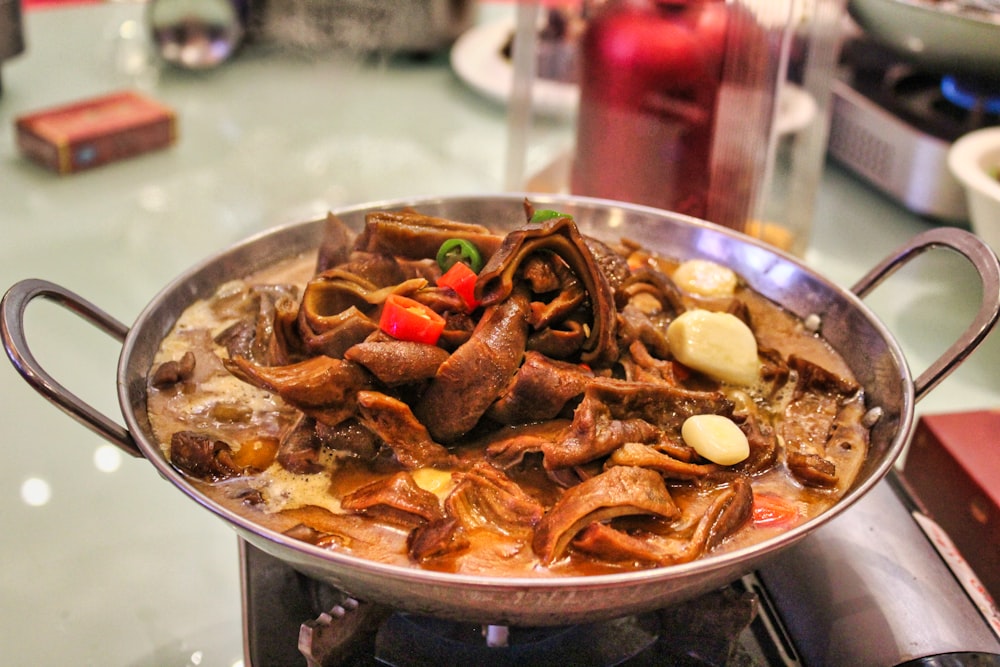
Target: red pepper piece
[[770, 511], [410, 320], [461, 278]]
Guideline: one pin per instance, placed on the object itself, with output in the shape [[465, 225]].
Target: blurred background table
[[103, 562]]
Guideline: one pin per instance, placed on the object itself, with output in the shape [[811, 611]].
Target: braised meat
[[432, 393]]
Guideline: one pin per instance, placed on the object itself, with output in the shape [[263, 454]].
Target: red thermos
[[650, 77]]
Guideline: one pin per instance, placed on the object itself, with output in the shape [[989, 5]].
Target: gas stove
[[868, 588], [893, 122]]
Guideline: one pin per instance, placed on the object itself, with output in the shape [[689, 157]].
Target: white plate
[[478, 60]]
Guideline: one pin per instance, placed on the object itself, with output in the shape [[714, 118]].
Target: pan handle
[[12, 308], [985, 262]]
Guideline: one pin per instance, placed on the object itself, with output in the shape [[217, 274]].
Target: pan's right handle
[[987, 266], [12, 308]]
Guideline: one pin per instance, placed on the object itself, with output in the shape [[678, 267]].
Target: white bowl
[[974, 160]]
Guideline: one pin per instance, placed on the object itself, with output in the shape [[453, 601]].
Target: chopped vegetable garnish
[[406, 319], [544, 214], [462, 279], [453, 251]]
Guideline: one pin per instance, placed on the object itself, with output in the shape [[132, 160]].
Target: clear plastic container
[[714, 108]]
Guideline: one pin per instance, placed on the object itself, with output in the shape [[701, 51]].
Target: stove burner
[[969, 96], [941, 107], [414, 641], [725, 628]]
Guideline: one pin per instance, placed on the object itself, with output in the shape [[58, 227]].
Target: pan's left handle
[[12, 308], [985, 262]]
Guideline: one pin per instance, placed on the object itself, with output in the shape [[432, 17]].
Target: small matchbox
[[93, 132], [953, 472]]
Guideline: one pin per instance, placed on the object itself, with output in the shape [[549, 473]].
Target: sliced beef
[[540, 390], [486, 498], [554, 306], [563, 341], [339, 309], [645, 456], [615, 412], [652, 281], [763, 441], [392, 420], [477, 372], [612, 264], [322, 387], [414, 235], [344, 330], [817, 377], [379, 269], [847, 447], [348, 532], [395, 362], [812, 469], [251, 335], [336, 243], [507, 447], [560, 237], [619, 491], [728, 511], [238, 338], [396, 499], [603, 541], [286, 343], [822, 400]]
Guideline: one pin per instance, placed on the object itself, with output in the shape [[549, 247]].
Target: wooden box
[[93, 132], [953, 471]]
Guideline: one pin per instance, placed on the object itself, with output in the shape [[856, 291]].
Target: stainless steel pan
[[846, 322]]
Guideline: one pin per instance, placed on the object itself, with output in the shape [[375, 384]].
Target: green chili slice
[[545, 214], [453, 251]]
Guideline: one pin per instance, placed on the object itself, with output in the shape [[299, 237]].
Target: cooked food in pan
[[432, 393]]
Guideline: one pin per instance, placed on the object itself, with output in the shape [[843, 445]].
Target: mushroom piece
[[171, 372], [299, 449], [436, 539], [202, 456]]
